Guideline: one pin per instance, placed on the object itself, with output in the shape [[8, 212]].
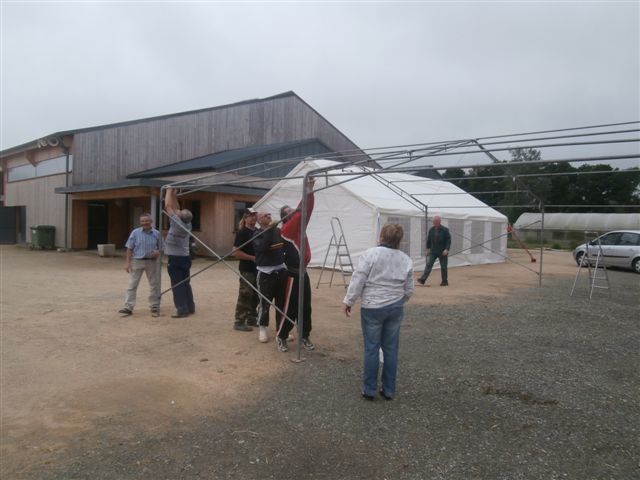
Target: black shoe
[[125, 311], [444, 284], [422, 280], [241, 327], [179, 315], [385, 396], [281, 344], [368, 397]]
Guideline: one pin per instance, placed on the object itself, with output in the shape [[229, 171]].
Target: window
[[477, 237], [629, 239], [52, 166], [194, 206], [609, 239], [405, 223], [456, 230], [21, 173]]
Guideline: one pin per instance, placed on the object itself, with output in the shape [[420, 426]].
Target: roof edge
[[33, 143]]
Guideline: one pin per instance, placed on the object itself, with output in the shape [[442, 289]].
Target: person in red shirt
[[290, 232]]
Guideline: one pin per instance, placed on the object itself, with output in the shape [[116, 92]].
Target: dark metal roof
[[148, 182], [218, 160]]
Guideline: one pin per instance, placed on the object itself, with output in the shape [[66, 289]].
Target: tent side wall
[[363, 206], [357, 218], [473, 240]]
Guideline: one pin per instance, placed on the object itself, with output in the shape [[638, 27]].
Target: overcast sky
[[383, 73]]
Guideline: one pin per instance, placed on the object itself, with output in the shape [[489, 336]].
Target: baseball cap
[[249, 211]]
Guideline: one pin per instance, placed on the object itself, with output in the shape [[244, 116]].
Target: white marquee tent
[[364, 204]]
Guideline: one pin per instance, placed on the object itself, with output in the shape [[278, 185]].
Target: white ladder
[[595, 280], [342, 259]]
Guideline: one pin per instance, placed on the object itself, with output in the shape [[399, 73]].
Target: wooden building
[[102, 178]]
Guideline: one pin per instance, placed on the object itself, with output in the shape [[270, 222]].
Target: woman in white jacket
[[384, 280]]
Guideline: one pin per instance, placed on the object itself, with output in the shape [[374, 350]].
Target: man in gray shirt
[[176, 247]]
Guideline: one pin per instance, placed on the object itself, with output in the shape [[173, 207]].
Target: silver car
[[620, 248]]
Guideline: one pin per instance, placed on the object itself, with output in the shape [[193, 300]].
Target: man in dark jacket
[[438, 245], [272, 275]]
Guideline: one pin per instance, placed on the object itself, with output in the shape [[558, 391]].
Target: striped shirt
[[143, 243]]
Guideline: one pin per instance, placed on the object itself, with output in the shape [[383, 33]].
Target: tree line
[[529, 188]]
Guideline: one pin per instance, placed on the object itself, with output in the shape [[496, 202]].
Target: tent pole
[[426, 232], [541, 242], [301, 267]]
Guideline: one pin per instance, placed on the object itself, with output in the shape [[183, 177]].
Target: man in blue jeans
[[179, 257]]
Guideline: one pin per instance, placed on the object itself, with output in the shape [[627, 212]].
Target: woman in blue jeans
[[384, 280]]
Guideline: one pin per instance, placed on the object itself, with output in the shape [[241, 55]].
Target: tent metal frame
[[404, 157]]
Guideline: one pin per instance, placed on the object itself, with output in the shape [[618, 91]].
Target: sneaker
[[241, 327], [281, 343], [308, 344], [444, 284], [262, 336], [370, 398], [421, 281], [155, 312], [125, 311], [179, 315]]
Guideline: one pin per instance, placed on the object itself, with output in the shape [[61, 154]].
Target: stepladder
[[339, 251], [592, 264]]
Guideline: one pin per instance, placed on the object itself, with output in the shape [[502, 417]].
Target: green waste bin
[[43, 236]]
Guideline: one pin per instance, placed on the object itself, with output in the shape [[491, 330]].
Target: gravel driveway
[[534, 386]]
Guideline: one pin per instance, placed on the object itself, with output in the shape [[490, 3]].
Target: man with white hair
[[179, 258], [144, 247], [438, 245]]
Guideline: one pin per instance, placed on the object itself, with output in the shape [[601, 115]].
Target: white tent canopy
[[364, 204]]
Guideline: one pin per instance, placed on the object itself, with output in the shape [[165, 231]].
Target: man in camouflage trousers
[[248, 298]]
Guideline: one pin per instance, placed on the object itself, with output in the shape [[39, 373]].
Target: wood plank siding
[[44, 206], [109, 154]]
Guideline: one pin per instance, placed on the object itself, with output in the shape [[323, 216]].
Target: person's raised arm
[[171, 201]]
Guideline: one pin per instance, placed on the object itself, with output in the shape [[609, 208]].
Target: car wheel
[[636, 265], [579, 256]]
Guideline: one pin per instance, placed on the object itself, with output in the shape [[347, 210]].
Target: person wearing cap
[[248, 299], [176, 248], [290, 231], [272, 275]]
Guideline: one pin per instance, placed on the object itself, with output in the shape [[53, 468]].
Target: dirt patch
[[87, 394]]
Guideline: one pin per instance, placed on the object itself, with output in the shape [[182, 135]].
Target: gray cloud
[[385, 74]]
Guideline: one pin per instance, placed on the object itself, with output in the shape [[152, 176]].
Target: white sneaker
[[262, 337]]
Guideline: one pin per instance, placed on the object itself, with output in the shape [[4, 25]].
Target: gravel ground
[[533, 386]]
